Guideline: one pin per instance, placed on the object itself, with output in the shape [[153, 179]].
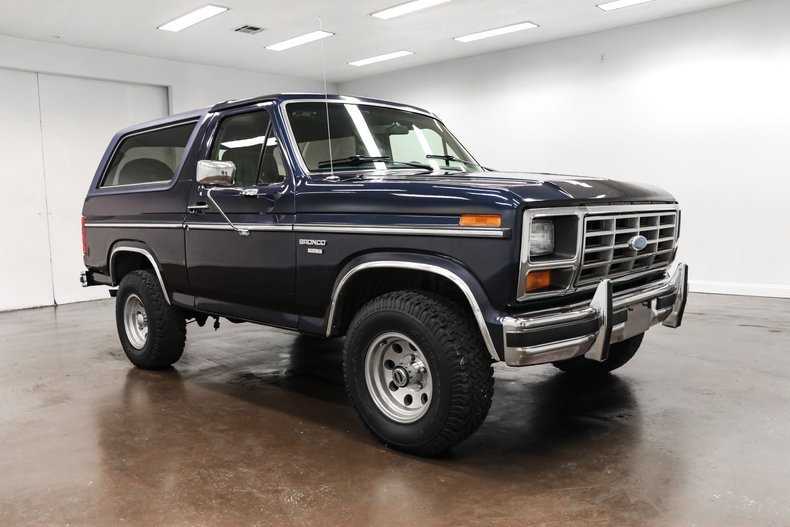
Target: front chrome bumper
[[589, 329]]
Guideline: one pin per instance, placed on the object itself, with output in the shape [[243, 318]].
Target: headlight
[[541, 238]]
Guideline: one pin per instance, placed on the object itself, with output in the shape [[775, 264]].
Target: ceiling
[[130, 27]]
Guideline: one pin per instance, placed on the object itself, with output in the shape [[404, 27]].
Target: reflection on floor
[[253, 427]]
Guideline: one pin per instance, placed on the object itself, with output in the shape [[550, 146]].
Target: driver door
[[252, 276]]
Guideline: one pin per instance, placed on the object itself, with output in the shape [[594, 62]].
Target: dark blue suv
[[341, 216]]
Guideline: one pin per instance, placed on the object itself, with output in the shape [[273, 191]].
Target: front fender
[[486, 317]]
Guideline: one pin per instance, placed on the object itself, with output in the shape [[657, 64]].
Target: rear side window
[[148, 157]]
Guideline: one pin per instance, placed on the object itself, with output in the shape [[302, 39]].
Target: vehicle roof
[[276, 97], [164, 121], [285, 97]]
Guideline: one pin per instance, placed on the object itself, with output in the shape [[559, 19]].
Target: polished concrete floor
[[253, 427]]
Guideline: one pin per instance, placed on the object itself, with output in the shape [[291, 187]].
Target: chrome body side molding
[[405, 230], [394, 264], [135, 225], [246, 226], [397, 230]]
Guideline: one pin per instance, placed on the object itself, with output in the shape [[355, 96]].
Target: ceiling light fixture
[[496, 32], [408, 7], [381, 58], [619, 4], [298, 41], [192, 18]]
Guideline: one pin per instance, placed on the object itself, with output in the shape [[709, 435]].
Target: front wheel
[[417, 372], [619, 354], [152, 332]]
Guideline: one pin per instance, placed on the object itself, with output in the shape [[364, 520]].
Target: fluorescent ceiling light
[[408, 7], [298, 41], [192, 18], [619, 4], [496, 32], [381, 58]]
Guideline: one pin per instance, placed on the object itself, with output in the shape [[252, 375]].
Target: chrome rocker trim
[[643, 312]]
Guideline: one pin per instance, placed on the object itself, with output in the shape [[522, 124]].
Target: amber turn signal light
[[538, 280], [481, 220]]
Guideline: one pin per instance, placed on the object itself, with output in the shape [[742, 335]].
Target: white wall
[[77, 118], [699, 104], [25, 274], [191, 85], [54, 127]]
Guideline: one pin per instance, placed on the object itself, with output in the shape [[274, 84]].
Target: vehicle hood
[[545, 187], [422, 193]]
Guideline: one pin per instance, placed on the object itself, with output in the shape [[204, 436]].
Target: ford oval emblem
[[637, 243]]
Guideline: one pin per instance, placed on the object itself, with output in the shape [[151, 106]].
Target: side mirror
[[216, 173]]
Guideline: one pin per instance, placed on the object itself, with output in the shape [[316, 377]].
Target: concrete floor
[[253, 427]]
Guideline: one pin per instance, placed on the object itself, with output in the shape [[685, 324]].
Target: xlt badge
[[313, 245]]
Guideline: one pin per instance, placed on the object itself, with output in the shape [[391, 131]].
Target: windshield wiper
[[352, 160], [415, 164], [449, 158], [360, 159]]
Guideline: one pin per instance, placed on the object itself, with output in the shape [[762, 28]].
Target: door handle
[[192, 209]]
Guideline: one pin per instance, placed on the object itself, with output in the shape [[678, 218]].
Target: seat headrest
[[144, 171]]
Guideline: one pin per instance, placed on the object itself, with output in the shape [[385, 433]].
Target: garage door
[[54, 130]]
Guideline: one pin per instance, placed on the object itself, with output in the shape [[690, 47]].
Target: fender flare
[[461, 277], [139, 248]]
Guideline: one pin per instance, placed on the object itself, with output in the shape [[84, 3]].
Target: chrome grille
[[606, 251]]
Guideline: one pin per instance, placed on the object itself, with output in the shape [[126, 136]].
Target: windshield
[[370, 137]]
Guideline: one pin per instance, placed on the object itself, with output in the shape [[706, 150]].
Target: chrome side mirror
[[216, 173], [213, 174]]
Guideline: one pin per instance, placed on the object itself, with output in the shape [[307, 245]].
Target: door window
[[247, 140], [272, 166]]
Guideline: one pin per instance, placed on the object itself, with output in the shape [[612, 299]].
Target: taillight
[[84, 243]]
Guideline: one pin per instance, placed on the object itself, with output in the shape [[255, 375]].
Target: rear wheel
[[417, 372], [152, 332], [619, 354]]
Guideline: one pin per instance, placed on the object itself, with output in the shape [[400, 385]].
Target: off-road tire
[[166, 324], [619, 354], [460, 369]]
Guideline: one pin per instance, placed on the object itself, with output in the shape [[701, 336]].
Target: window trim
[[100, 186]]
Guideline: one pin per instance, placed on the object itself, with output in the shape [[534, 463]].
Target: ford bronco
[[349, 217]]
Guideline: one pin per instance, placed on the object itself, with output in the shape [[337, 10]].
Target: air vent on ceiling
[[250, 30]]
